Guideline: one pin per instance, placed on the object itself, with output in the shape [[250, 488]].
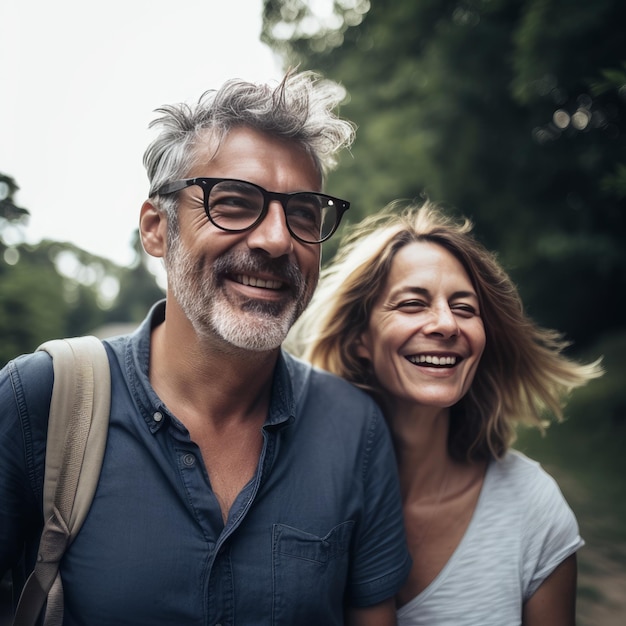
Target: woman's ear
[[153, 230], [362, 346]]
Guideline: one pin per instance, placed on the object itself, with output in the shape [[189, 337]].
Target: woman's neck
[[420, 439]]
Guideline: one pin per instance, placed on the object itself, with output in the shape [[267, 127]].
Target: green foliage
[[38, 302], [564, 43], [54, 289], [138, 289], [9, 211], [31, 308], [513, 113]]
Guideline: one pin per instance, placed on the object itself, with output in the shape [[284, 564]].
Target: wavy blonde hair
[[523, 374]]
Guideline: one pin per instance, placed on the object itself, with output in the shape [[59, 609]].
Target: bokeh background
[[511, 112]]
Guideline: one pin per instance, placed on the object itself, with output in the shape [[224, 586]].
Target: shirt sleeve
[[382, 560], [551, 534]]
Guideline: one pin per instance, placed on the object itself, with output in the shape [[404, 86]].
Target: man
[[238, 486]]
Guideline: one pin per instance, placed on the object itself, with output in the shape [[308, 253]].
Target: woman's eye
[[411, 304], [465, 310]]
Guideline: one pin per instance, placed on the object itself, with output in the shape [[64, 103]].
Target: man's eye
[[234, 201], [234, 206], [304, 212]]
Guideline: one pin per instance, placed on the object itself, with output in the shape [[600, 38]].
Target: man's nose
[[272, 235]]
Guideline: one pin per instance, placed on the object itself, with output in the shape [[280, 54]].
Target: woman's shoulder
[[548, 529], [518, 468], [523, 482]]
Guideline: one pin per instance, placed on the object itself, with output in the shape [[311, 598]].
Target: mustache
[[239, 262]]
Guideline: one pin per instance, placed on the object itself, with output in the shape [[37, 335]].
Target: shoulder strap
[[77, 432]]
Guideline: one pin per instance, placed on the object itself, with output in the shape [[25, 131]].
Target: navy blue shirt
[[318, 528]]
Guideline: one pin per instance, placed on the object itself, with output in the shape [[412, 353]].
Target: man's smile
[[255, 281]]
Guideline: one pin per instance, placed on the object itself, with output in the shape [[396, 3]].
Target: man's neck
[[204, 379]]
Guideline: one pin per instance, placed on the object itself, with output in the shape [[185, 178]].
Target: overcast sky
[[80, 81]]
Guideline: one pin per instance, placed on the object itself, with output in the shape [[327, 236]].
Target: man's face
[[245, 289]]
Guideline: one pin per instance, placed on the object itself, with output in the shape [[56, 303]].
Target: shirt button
[[158, 416], [189, 460]]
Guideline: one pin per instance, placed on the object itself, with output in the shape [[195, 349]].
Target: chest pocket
[[310, 574]]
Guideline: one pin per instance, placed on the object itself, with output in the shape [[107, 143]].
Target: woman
[[418, 313]]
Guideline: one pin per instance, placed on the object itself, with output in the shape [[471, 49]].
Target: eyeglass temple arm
[[172, 187]]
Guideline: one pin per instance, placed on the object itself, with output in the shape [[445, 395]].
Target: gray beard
[[250, 325]]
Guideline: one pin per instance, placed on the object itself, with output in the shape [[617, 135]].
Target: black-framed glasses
[[238, 205]]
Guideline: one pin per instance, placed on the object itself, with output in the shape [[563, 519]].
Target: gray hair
[[300, 108]]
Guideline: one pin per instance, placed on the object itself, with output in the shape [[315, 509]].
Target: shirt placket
[[221, 589]]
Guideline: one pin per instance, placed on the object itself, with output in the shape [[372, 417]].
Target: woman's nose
[[443, 322]]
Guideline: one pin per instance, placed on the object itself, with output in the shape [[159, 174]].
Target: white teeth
[[433, 360], [258, 282]]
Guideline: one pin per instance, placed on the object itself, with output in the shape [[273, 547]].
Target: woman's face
[[425, 335]]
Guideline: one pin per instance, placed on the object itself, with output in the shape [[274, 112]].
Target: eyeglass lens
[[235, 205]]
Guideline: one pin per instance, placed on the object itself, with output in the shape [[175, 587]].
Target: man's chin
[[258, 331], [267, 309]]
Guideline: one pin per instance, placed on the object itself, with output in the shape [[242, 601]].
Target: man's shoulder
[[25, 392], [301, 370], [34, 367], [320, 392]]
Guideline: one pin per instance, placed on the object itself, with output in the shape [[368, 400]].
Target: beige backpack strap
[[77, 432]]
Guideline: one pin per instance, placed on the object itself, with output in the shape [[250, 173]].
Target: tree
[[9, 211], [38, 301], [138, 289], [511, 112], [55, 289]]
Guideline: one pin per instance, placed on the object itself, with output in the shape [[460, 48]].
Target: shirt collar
[[289, 381]]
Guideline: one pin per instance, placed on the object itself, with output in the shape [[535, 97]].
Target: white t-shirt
[[521, 530]]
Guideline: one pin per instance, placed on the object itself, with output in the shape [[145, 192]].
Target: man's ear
[[153, 230]]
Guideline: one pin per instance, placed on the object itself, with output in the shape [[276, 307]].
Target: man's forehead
[[211, 143]]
